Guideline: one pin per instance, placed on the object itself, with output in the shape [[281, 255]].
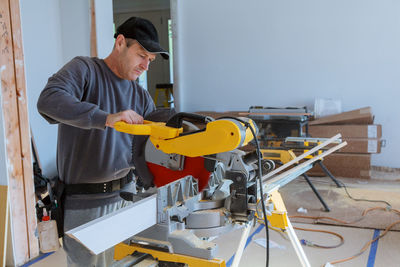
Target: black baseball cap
[[143, 31]]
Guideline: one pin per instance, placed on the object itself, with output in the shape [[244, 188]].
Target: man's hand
[[128, 116]]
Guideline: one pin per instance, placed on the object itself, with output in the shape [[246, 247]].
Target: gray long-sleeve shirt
[[79, 97]]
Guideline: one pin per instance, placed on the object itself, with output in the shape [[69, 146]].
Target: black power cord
[[259, 160], [388, 205], [342, 184]]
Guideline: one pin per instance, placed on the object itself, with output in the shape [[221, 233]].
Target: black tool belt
[[107, 187]]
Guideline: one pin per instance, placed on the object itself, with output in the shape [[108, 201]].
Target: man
[[86, 97]]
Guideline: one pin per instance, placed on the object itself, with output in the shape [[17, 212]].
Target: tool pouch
[[57, 207]]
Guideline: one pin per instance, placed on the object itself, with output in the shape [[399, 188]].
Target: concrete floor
[[387, 253]]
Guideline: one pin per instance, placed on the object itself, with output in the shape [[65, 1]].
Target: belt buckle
[[115, 185]]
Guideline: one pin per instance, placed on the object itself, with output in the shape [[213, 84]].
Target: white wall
[[104, 27], [42, 43], [233, 54], [243, 53], [53, 33], [75, 28]]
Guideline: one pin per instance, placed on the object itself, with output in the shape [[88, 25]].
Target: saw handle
[[136, 129], [176, 120], [156, 130]]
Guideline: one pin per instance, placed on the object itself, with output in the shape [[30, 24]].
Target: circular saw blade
[[192, 166]]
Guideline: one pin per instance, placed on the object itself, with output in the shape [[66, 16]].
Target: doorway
[[158, 12]]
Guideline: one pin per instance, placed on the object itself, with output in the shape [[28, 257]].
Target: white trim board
[[107, 231]]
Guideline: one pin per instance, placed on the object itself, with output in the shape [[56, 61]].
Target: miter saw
[[205, 186]]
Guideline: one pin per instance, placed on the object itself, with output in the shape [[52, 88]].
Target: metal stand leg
[[316, 192], [323, 167], [297, 246], [279, 219], [243, 240]]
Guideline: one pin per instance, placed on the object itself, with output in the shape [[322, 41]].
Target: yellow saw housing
[[218, 136]]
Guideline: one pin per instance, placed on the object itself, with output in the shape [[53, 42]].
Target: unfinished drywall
[[53, 33], [232, 54]]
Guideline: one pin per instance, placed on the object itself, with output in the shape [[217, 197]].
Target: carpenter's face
[[133, 60]]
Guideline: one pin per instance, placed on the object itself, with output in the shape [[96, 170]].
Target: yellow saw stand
[[277, 219], [271, 184], [122, 250]]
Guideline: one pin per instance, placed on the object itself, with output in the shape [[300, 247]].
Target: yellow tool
[[167, 89], [283, 156], [218, 136], [279, 218], [122, 250]]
